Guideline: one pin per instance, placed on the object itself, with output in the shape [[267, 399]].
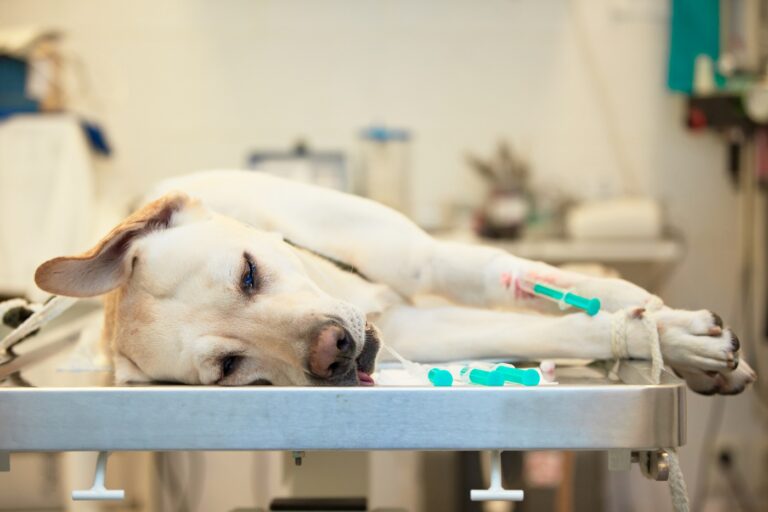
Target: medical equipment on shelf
[[563, 298], [324, 168], [615, 219], [384, 162]]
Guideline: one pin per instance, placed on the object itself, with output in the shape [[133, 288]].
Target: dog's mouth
[[366, 361], [364, 379], [359, 373]]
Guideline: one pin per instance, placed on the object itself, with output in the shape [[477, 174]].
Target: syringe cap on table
[[440, 377], [524, 376], [484, 378]]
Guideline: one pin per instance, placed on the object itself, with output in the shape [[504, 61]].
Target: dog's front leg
[[488, 277], [694, 343], [456, 333]]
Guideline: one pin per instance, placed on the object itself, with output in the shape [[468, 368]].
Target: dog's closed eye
[[229, 365], [249, 280]]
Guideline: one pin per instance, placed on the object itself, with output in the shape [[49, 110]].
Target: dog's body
[[260, 280]]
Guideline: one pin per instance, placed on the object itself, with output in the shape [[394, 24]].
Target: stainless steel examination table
[[43, 408]]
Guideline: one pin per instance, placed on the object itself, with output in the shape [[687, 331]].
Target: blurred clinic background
[[621, 137]]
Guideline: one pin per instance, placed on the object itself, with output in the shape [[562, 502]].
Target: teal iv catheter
[[563, 298]]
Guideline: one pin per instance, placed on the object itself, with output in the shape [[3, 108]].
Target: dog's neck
[[339, 281], [346, 267]]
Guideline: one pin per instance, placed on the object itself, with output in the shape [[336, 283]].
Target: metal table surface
[[45, 409]]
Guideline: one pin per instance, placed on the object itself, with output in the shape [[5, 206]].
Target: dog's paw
[[696, 339], [704, 352], [710, 383]]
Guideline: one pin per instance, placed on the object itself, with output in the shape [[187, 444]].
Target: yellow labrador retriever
[[235, 278]]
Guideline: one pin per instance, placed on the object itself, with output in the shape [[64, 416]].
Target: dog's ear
[[105, 266]]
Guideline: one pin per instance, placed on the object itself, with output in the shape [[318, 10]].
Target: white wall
[[183, 85]]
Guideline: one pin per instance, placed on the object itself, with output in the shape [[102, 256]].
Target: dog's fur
[[231, 277]]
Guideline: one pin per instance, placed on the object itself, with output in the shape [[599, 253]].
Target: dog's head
[[199, 298]]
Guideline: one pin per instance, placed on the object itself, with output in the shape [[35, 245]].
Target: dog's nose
[[331, 352]]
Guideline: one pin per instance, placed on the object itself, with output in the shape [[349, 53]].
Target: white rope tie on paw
[[619, 349], [619, 334]]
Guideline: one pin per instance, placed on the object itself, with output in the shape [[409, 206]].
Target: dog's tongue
[[364, 378]]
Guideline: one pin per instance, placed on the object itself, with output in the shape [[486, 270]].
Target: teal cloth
[[694, 30]]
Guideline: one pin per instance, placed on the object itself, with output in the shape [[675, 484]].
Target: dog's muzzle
[[366, 361], [332, 360]]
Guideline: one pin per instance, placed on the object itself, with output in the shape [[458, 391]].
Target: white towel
[[46, 196]]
